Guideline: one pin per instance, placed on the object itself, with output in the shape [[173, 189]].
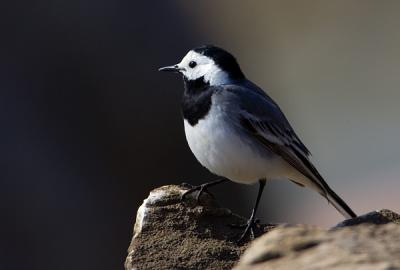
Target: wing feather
[[262, 118]]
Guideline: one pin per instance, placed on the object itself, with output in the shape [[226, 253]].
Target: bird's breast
[[222, 149]]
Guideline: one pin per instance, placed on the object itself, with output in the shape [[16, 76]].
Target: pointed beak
[[174, 68]]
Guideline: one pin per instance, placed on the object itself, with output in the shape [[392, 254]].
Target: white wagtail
[[238, 132]]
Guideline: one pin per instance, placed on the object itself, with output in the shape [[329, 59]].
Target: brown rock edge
[[170, 234], [366, 247]]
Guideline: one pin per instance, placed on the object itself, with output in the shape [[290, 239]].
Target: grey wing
[[258, 115], [261, 117]]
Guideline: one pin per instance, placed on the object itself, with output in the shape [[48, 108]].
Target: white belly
[[220, 149]]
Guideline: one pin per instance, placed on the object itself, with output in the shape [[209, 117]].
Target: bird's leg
[[202, 188], [251, 223]]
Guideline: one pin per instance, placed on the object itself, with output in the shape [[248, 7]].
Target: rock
[[376, 217], [366, 247], [170, 234]]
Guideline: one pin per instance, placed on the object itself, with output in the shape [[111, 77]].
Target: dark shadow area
[[88, 126]]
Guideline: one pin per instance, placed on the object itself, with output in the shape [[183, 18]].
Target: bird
[[238, 132]]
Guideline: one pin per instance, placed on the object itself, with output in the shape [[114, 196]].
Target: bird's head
[[208, 63]]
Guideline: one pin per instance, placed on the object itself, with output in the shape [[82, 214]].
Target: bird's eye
[[192, 64]]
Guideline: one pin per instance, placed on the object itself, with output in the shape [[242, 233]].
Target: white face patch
[[205, 67]]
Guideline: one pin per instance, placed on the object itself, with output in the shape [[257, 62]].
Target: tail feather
[[339, 204], [318, 183]]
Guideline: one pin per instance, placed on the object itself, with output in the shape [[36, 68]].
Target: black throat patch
[[196, 100]]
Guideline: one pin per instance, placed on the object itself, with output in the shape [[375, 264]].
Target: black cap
[[223, 59]]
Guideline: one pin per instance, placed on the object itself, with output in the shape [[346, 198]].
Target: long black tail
[[338, 203], [325, 190]]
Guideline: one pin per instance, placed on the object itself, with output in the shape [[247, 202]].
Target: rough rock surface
[[366, 246], [170, 234], [383, 216]]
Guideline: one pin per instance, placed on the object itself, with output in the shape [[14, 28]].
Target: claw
[[251, 230], [244, 225], [200, 190], [185, 185]]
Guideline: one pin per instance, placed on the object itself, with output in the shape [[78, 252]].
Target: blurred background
[[89, 127]]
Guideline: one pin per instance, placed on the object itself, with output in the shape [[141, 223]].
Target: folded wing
[[261, 117]]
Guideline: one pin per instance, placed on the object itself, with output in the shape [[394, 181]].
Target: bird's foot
[[252, 230], [200, 189]]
